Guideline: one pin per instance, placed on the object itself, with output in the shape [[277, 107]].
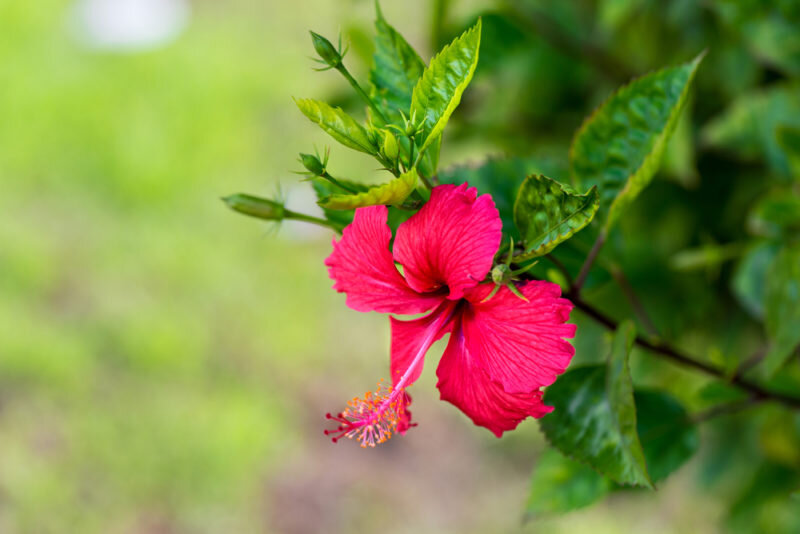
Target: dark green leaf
[[765, 505], [560, 484], [594, 420], [667, 435], [390, 193], [397, 68], [782, 304], [547, 213], [439, 90], [619, 147], [338, 124], [789, 142]]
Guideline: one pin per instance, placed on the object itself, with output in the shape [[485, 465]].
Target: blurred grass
[[164, 363]]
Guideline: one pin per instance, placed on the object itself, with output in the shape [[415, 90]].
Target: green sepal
[[619, 147], [391, 194], [548, 213]]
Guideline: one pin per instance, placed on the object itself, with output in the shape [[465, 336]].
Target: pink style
[[501, 351]]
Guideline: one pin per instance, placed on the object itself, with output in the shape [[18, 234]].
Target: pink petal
[[464, 383], [450, 242], [409, 337], [519, 344], [362, 266]]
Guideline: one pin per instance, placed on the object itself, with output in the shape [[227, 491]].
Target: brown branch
[[757, 391], [587, 264]]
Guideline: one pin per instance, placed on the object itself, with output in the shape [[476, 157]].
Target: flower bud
[[312, 164], [501, 274], [262, 208], [390, 147], [326, 50]]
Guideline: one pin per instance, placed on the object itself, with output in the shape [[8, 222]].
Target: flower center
[[374, 418]]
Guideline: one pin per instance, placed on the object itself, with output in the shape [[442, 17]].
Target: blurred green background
[[165, 364]]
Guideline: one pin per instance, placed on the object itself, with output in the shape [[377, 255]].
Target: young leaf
[[325, 189], [338, 124], [547, 214], [397, 67], [438, 92], [668, 436], [782, 306], [620, 145], [594, 420], [560, 484], [391, 193]]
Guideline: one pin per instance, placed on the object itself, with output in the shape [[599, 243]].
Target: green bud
[[390, 147], [326, 50], [312, 164], [261, 208], [501, 274]]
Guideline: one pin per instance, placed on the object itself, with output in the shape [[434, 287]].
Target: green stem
[[308, 218], [341, 68], [337, 183]]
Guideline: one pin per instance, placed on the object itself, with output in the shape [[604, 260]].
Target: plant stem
[[587, 264], [724, 409], [671, 353], [308, 218], [341, 68], [337, 183], [560, 266]]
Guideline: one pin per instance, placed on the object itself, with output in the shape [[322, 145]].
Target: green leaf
[[750, 278], [560, 484], [668, 436], [782, 304], [438, 92], [391, 193], [748, 127], [325, 189], [338, 124], [789, 141], [501, 178], [397, 67], [619, 147], [594, 420], [547, 213]]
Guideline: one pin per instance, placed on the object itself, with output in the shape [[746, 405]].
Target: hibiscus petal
[[450, 242], [464, 383], [362, 266], [409, 337], [519, 344]]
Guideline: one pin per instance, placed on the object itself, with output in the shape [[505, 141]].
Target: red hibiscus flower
[[502, 349]]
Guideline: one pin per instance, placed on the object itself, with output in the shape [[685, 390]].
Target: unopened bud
[[326, 50], [501, 274], [262, 208], [312, 164], [390, 147]]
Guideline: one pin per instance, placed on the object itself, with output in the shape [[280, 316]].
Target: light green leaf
[[668, 436], [620, 145], [397, 68], [439, 90], [748, 128], [776, 214], [325, 189], [547, 213], [594, 420], [390, 194], [338, 124], [782, 304], [560, 484]]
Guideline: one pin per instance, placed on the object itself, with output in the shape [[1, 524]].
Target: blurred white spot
[[130, 25]]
